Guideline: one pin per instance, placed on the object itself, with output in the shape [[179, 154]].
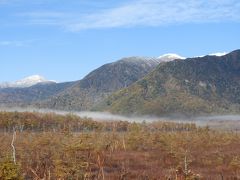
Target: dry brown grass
[[138, 151]]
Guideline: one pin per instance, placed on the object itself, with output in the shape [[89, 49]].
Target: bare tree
[[186, 164], [13, 147]]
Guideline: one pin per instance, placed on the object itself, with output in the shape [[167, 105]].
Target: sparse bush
[[9, 171]]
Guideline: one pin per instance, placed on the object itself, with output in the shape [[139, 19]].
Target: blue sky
[[64, 40]]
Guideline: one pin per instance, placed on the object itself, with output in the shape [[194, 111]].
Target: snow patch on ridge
[[26, 82], [169, 57], [218, 54]]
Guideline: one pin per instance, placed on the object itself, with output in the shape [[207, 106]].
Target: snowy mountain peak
[[26, 82], [169, 57], [30, 81], [218, 54]]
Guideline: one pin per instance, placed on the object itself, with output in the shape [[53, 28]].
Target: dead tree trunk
[[13, 147]]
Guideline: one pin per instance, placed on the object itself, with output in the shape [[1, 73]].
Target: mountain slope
[[13, 97], [100, 83], [192, 86]]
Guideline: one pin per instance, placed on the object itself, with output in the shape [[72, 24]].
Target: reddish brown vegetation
[[50, 146]]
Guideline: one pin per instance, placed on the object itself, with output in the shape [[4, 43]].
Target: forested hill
[[208, 84]]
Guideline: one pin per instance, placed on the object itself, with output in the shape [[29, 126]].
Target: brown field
[[50, 146]]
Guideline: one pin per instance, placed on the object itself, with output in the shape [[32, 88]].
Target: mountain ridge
[[195, 85], [13, 97], [143, 85], [100, 83]]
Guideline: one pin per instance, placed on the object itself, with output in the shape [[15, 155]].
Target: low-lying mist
[[215, 121], [101, 116]]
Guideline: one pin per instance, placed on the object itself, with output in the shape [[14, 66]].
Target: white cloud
[[144, 13], [161, 13]]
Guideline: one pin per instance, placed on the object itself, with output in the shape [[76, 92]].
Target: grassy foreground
[[50, 146]]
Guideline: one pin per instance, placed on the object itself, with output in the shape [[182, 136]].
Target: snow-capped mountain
[[169, 57], [218, 54], [26, 82]]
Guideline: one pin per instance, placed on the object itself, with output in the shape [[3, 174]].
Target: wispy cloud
[[144, 13], [16, 43], [46, 18]]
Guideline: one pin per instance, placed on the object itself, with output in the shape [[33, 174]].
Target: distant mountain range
[[169, 84], [27, 96]]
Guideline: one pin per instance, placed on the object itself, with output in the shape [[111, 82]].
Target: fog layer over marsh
[[214, 121]]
